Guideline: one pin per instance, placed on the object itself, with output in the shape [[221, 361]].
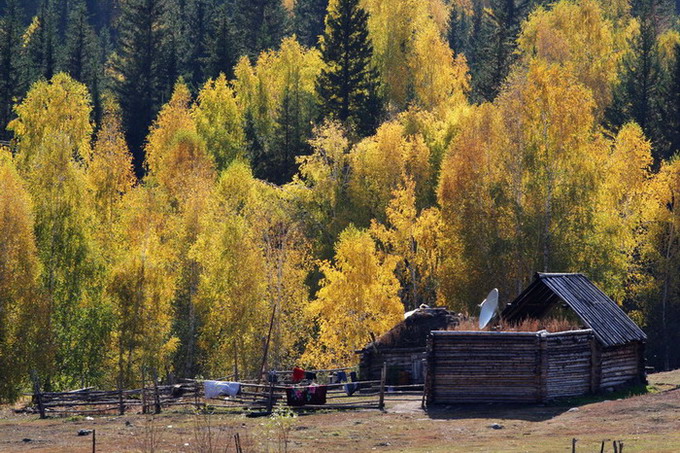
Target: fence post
[[156, 396], [383, 373], [94, 440], [143, 391], [270, 402], [121, 406], [38, 395]]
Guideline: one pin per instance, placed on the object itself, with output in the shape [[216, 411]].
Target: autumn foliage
[[280, 219]]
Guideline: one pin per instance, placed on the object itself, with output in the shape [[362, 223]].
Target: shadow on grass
[[528, 412]]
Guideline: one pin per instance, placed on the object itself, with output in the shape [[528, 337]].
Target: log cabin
[[606, 353]]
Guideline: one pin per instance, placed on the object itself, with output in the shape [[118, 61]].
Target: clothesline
[[312, 371]]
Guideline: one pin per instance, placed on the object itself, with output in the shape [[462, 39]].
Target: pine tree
[[221, 46], [41, 44], [309, 20], [498, 44], [262, 24], [141, 88], [195, 34], [82, 57], [348, 85], [671, 107], [636, 96], [10, 61], [461, 27]]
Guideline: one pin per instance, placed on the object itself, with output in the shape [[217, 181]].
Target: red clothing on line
[[298, 375]]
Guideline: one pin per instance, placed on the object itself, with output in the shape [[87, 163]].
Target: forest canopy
[[222, 187]]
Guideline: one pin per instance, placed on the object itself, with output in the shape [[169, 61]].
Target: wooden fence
[[510, 367], [253, 396]]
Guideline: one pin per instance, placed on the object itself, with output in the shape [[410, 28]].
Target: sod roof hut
[[504, 366], [620, 342], [402, 348]]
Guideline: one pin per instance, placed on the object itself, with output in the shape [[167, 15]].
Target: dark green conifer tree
[[291, 136], [671, 108], [220, 45], [496, 42], [11, 29], [309, 20], [348, 86], [262, 24], [41, 49], [461, 27], [196, 28], [82, 58], [143, 85], [636, 95]]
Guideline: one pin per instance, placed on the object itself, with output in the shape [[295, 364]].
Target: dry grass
[[528, 325], [646, 423]]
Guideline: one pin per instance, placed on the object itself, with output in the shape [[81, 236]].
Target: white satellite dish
[[488, 310], [409, 313]]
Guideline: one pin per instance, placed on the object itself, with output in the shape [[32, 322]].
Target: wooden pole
[[383, 373], [270, 401], [143, 391], [38, 395], [616, 449], [266, 345], [94, 440], [237, 441], [573, 445], [602, 447], [121, 406], [156, 395]]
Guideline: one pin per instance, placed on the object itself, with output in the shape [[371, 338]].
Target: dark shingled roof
[[609, 323]]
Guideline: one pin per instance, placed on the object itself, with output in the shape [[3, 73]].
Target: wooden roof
[[608, 321]]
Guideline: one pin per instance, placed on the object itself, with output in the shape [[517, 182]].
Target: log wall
[[569, 364], [622, 365], [524, 367]]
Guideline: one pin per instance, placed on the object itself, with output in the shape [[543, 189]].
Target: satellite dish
[[488, 308], [409, 313]]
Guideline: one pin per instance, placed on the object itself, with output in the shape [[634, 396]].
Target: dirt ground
[[645, 423]]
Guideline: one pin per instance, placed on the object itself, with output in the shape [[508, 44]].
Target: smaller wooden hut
[[402, 348]]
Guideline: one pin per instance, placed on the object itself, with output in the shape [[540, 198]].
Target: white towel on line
[[214, 389]]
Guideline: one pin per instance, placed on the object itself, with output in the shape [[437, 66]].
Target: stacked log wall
[[622, 365], [508, 367], [569, 364], [471, 367]]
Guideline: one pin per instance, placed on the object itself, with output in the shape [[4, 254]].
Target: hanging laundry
[[316, 394], [353, 386], [296, 396], [272, 377], [340, 376], [310, 376], [214, 389], [298, 375]]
